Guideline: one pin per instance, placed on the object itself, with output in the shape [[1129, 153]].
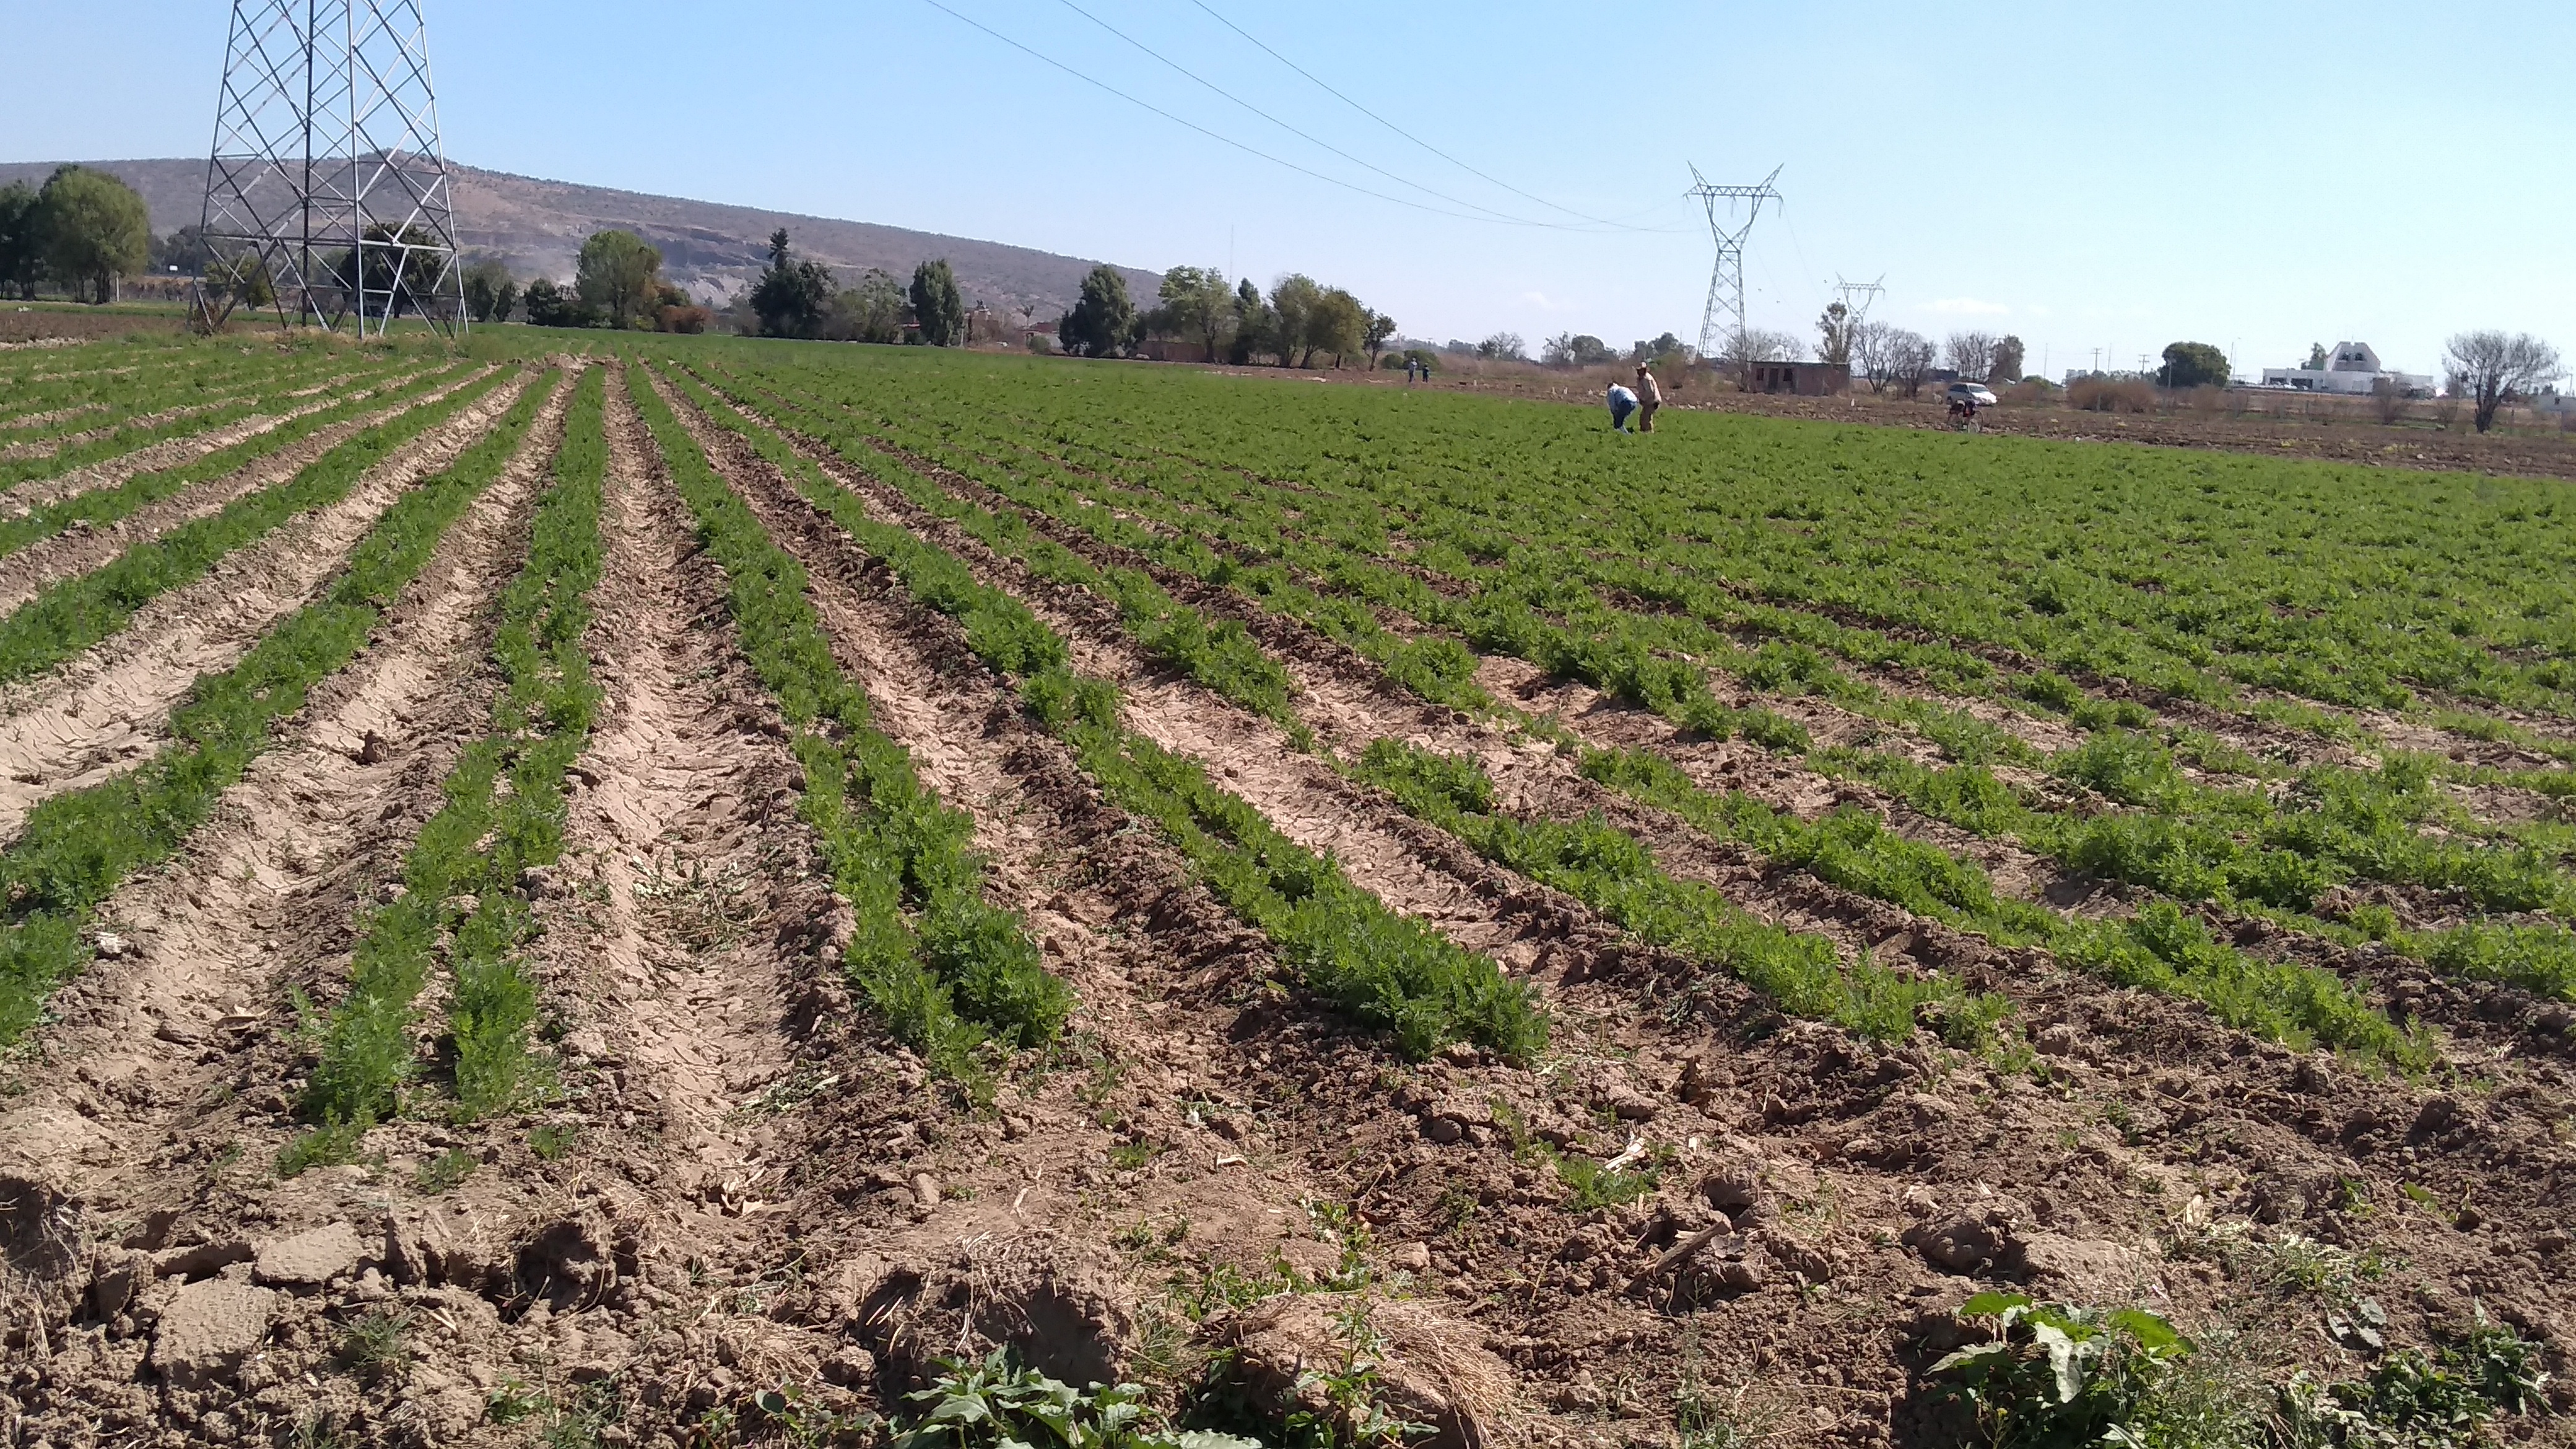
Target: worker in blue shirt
[[1622, 403]]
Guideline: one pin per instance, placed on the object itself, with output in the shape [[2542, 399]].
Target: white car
[[1971, 392]]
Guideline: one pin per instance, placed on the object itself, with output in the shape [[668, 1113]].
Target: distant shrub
[[2111, 395]]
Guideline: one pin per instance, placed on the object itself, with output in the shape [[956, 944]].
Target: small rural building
[[2351, 370], [1803, 379]]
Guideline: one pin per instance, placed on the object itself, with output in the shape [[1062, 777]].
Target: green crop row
[[1221, 654], [1381, 969], [939, 963], [1612, 872], [2198, 843], [78, 847], [480, 841], [136, 432], [77, 612], [170, 377], [2156, 949], [1855, 850], [101, 507]]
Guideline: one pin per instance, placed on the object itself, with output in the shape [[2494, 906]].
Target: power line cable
[[1248, 150], [1300, 134], [1328, 89]]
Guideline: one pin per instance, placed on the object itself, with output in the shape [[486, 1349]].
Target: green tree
[[618, 275], [1338, 325], [1294, 298], [938, 308], [792, 297], [554, 305], [1834, 334], [2316, 357], [94, 230], [1381, 329], [2009, 352], [872, 311], [1256, 326], [22, 244], [491, 295], [1197, 304], [1103, 320], [2192, 364]]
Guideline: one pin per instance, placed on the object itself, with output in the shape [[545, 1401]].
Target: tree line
[[82, 231], [1299, 321]]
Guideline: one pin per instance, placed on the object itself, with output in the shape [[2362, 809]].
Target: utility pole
[[1726, 279], [326, 176]]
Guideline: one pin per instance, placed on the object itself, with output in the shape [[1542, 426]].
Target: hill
[[710, 248]]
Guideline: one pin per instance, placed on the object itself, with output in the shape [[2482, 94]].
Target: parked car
[[1971, 393]]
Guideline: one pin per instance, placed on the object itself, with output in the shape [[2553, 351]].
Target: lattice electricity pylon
[[1857, 296], [1726, 281], [327, 196]]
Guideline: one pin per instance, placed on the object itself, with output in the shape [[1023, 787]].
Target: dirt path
[[100, 713], [683, 934]]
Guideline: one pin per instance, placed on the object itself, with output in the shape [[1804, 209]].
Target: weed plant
[[77, 847]]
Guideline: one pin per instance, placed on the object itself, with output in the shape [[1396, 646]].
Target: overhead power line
[[1336, 94], [1302, 135], [1495, 218]]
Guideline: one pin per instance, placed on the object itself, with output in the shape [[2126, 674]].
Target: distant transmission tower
[[1857, 296], [1726, 282], [327, 195]]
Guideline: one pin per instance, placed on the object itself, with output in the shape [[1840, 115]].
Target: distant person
[[1649, 398], [1622, 403], [1410, 363]]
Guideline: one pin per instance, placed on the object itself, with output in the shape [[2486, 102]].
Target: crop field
[[701, 891]]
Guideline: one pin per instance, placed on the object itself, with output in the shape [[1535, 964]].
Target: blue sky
[[2258, 176]]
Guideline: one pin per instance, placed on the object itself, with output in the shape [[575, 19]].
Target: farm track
[[108, 709], [1780, 1108], [170, 452], [157, 1100]]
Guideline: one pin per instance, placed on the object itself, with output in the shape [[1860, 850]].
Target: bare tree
[[1972, 354], [1503, 347], [1870, 342], [1909, 356], [2493, 369], [2388, 400]]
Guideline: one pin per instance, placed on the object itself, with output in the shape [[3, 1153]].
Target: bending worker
[[1649, 398], [1622, 403]]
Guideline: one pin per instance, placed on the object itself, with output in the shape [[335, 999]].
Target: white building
[[2353, 370]]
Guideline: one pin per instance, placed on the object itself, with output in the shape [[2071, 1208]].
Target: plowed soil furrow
[[108, 709], [47, 447], [1303, 796], [1348, 703], [1344, 702], [27, 571], [265, 889], [1851, 1146], [680, 945], [168, 453]]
